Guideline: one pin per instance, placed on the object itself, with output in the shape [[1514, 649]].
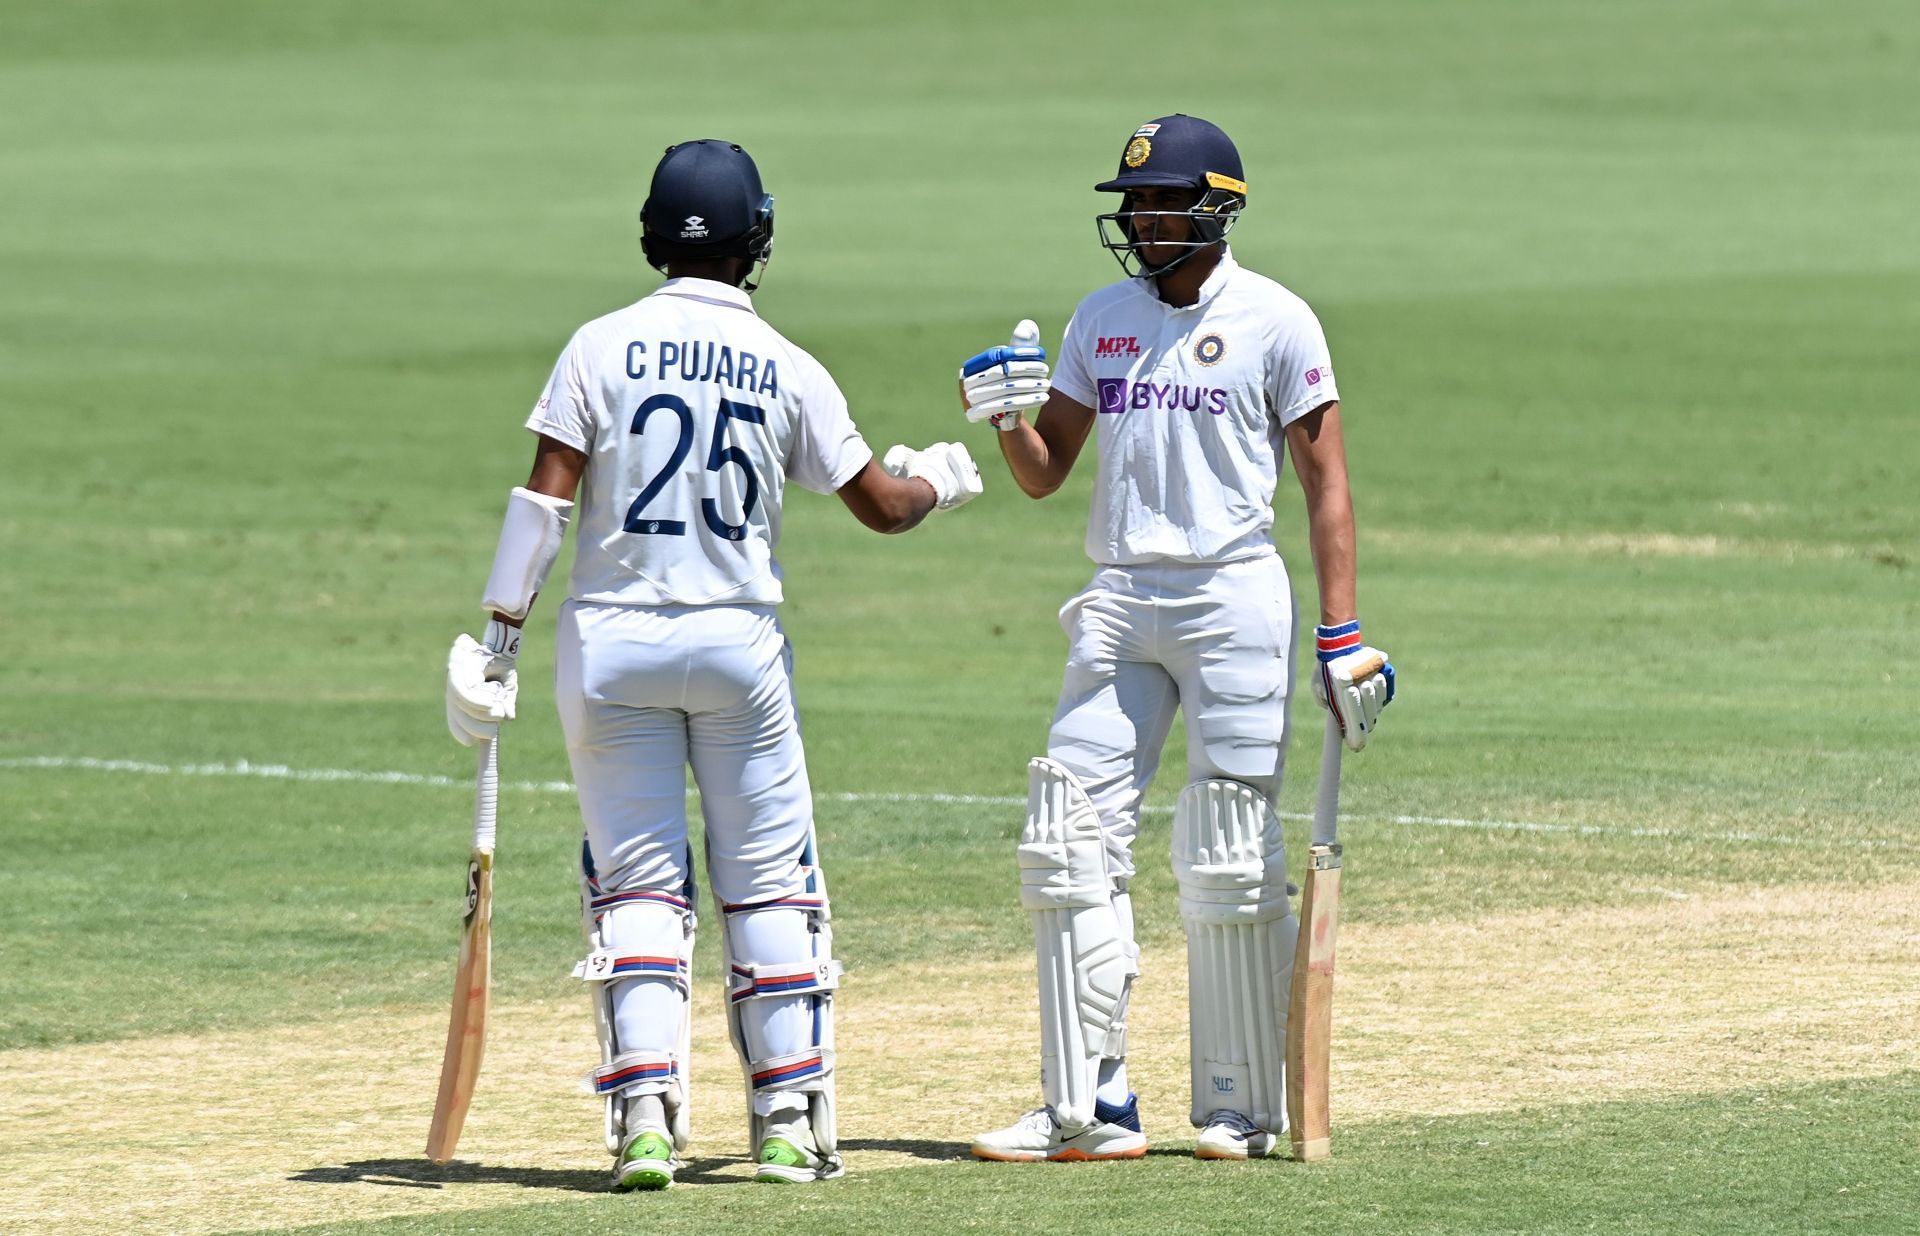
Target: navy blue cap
[[1178, 151], [704, 193]]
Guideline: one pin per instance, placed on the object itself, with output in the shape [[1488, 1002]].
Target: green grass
[[1622, 298], [1838, 1158]]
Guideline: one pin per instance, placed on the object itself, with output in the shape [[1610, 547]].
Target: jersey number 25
[[719, 455]]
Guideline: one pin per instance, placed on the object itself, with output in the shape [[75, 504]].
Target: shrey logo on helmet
[[706, 202]]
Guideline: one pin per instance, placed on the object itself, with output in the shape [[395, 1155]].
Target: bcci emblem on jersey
[[1210, 349]]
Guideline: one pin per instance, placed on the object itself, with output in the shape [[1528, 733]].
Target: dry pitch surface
[[1686, 993]]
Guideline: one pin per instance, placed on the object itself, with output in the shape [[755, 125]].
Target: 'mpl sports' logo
[[1117, 345], [1116, 395]]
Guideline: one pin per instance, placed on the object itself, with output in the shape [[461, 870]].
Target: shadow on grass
[[426, 1174], [919, 1148]]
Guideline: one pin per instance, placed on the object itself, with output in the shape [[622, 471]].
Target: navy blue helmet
[[1182, 152], [706, 202]]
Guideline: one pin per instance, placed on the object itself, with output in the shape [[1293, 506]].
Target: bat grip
[[1326, 803], [486, 794]]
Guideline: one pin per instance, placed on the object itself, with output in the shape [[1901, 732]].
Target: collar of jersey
[[1208, 290], [709, 290]]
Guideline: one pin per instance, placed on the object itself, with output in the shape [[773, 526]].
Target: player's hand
[[945, 465], [1351, 680], [1000, 383], [482, 683]]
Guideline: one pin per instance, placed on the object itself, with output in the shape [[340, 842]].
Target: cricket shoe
[[788, 1154], [1229, 1135], [646, 1161], [1038, 1137]]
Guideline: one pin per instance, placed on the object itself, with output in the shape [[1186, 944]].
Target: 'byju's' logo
[[1113, 394]]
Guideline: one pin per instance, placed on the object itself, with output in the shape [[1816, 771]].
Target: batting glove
[[945, 465], [482, 683], [1352, 681], [1000, 383]]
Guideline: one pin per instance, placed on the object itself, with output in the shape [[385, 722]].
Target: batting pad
[[808, 1070], [1230, 860], [640, 936], [1087, 957]]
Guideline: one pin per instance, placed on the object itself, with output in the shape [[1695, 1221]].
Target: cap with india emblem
[[1178, 151]]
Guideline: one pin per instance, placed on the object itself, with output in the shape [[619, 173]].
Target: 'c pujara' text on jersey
[[694, 413]]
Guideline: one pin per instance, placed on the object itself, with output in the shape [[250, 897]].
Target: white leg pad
[[655, 945], [808, 1071], [1086, 955], [1230, 860]]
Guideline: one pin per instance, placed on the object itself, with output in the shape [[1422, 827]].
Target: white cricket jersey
[[693, 413], [1190, 402]]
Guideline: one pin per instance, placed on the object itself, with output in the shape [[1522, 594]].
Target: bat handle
[[1326, 803], [486, 794]]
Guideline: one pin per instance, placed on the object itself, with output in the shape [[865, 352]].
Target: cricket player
[[678, 421], [1194, 371]]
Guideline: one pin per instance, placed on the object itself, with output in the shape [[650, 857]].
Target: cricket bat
[[1310, 1008], [467, 1026]]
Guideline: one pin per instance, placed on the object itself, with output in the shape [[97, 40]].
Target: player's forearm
[[1034, 467], [1330, 534]]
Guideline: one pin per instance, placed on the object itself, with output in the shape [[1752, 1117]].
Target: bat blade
[[467, 1023], [1310, 1010], [1310, 1007]]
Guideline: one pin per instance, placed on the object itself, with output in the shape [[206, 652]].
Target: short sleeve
[[1070, 375], [828, 450], [1300, 372], [564, 412]]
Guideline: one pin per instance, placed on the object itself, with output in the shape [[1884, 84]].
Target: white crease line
[[282, 772]]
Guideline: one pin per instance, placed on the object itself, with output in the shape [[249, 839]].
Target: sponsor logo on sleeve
[[1116, 345], [1314, 375]]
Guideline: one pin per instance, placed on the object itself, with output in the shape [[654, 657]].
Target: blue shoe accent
[[1126, 1115]]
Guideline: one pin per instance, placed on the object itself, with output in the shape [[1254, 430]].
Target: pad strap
[[633, 1069], [601, 904], [801, 1070], [751, 982], [607, 965]]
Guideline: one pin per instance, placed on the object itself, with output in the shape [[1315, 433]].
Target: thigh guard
[[808, 1070], [1085, 950], [1230, 860], [654, 943]]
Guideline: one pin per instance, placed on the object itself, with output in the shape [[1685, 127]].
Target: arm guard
[[529, 543]]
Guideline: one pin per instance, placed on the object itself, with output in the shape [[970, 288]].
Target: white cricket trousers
[[644, 692], [1214, 641]]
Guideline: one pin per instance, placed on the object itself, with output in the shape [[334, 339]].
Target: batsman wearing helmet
[[1194, 371], [678, 421]]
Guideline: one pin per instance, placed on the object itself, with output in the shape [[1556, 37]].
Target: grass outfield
[[1623, 298]]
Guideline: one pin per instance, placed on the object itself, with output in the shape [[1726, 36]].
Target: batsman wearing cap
[[1194, 371]]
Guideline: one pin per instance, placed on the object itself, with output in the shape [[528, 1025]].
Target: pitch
[[1624, 301]]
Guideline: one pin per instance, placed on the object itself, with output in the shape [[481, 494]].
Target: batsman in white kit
[[678, 421], [1194, 371]]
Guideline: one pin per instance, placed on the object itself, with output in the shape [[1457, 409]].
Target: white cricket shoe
[[1037, 1137], [1229, 1135]]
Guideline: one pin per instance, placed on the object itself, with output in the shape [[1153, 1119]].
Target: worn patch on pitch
[[1688, 992]]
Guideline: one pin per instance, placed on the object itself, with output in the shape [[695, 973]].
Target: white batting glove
[[1352, 681], [945, 465], [482, 683], [1000, 383]]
